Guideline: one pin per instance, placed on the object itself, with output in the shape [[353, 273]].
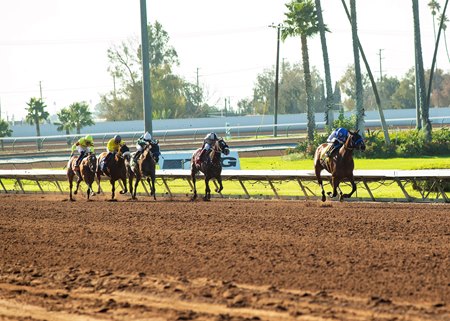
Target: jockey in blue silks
[[337, 138]]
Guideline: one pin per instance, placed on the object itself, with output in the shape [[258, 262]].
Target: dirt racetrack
[[222, 260]]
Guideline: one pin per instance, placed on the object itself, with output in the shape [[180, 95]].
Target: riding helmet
[[117, 139], [147, 136], [88, 138]]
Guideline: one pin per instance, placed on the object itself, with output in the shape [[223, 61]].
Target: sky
[[60, 46]]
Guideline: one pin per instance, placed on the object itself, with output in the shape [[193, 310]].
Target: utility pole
[[40, 89], [146, 87], [381, 69], [277, 72], [198, 91]]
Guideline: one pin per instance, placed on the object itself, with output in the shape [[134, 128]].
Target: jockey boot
[[78, 161], [136, 156]]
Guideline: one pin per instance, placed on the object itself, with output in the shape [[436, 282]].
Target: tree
[[358, 76], [301, 20], [420, 75], [80, 115], [36, 113], [4, 131], [65, 122], [326, 63]]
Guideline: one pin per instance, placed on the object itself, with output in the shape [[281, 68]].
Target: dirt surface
[[222, 260]]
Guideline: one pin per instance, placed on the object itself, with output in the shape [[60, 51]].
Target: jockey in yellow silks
[[84, 146]]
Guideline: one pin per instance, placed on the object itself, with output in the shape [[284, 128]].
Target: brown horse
[[144, 168], [116, 170], [340, 165], [211, 167], [88, 167]]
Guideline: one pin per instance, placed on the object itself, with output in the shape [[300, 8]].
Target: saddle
[[324, 157]]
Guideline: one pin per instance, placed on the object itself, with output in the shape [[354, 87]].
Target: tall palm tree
[[372, 81], [433, 64], [326, 64], [36, 113], [358, 77], [420, 74], [301, 20], [80, 115]]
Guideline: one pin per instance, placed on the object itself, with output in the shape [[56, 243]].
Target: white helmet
[[147, 136]]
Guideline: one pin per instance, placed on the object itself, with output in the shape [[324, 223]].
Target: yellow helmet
[[89, 138]]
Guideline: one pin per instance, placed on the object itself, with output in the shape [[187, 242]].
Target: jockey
[[209, 141], [142, 141], [112, 148], [337, 138], [84, 146]]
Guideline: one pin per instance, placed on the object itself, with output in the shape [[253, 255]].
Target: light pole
[[277, 72], [146, 86]]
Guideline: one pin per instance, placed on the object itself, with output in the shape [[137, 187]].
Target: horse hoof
[[123, 192], [71, 199], [324, 198], [75, 192], [112, 200]]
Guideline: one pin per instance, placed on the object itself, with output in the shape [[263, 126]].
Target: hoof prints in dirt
[[67, 295]]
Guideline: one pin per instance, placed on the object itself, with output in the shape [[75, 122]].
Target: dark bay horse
[[211, 167], [144, 168], [340, 165], [88, 167], [116, 170]]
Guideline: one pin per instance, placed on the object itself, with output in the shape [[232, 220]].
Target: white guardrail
[[436, 181]]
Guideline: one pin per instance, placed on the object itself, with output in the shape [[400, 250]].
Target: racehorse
[[88, 167], [340, 165], [116, 170], [211, 167], [144, 168]]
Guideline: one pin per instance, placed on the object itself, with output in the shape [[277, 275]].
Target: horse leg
[[352, 181], [335, 184], [70, 176], [78, 185], [219, 180], [130, 186], [113, 189], [193, 183], [207, 196], [151, 182], [136, 183], [98, 181], [319, 180], [124, 184]]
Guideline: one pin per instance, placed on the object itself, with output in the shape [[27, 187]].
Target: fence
[[413, 186]]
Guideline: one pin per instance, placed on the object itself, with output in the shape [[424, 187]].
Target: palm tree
[[326, 64], [433, 64], [4, 131], [420, 74], [372, 81], [65, 123], [80, 115], [36, 113], [301, 20], [358, 77]]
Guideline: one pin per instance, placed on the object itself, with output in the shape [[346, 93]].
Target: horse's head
[[154, 150], [124, 152], [222, 146], [355, 141], [92, 162]]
